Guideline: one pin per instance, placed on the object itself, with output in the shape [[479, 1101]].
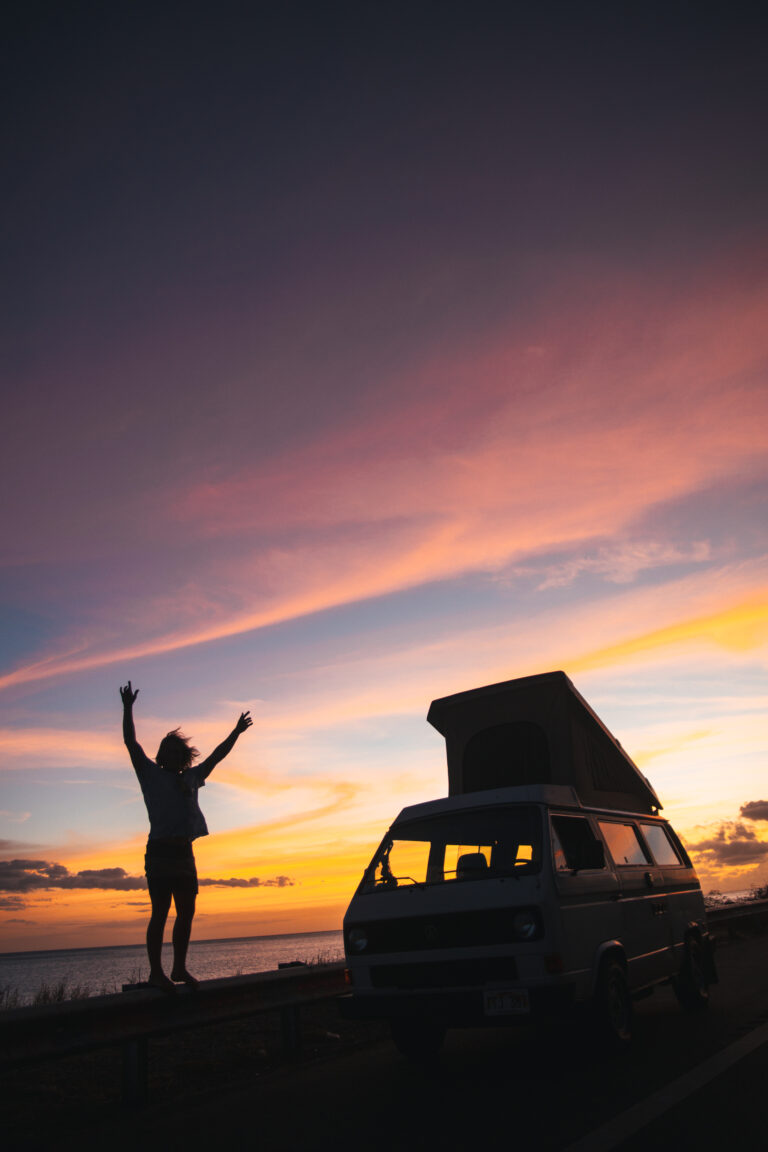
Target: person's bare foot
[[161, 981], [181, 976]]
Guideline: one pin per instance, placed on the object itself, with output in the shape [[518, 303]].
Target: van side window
[[575, 845], [662, 850], [623, 843]]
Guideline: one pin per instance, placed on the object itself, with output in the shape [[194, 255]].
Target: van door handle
[[649, 880]]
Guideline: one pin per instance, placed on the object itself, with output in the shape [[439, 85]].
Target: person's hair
[[175, 746]]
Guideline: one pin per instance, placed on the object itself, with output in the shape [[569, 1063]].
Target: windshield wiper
[[392, 881]]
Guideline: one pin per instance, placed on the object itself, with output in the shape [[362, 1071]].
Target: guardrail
[[728, 919], [130, 1019]]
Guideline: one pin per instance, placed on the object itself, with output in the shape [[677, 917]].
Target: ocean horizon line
[[141, 944]]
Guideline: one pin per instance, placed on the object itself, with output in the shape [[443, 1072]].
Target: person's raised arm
[[128, 697], [226, 746]]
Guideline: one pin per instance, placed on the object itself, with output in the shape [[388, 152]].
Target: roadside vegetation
[[717, 899], [54, 993], [60, 990]]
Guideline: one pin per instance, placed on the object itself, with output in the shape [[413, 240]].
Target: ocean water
[[101, 970]]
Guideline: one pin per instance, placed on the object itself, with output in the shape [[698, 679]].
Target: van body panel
[[495, 906], [452, 934], [589, 914]]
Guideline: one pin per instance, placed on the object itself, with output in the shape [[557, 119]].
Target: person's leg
[[161, 902], [182, 929]]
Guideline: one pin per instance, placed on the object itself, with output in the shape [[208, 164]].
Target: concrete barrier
[[730, 919]]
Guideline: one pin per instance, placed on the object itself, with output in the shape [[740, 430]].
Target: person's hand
[[243, 723], [127, 695]]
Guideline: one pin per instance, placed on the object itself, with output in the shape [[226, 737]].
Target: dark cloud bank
[[32, 875], [754, 810], [736, 842]]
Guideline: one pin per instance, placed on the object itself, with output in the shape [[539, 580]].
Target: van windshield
[[456, 847]]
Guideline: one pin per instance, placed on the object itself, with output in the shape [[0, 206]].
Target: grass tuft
[[55, 993], [330, 956], [9, 998], [59, 991]]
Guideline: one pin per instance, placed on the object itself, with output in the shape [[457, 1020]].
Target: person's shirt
[[171, 797]]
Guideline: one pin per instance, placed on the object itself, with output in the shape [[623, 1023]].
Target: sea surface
[[101, 970]]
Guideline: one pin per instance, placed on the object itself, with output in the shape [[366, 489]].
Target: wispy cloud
[[249, 882], [619, 563], [15, 846], [12, 903], [343, 795], [552, 455], [70, 746], [742, 627]]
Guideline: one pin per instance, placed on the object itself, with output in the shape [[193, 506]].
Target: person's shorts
[[170, 869]]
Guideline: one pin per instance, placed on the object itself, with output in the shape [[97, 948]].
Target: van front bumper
[[456, 1007]]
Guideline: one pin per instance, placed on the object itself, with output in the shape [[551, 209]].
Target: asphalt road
[[546, 1088]]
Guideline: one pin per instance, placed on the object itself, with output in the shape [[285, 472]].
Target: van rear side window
[[662, 850], [623, 843]]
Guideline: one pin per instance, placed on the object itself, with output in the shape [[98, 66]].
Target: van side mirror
[[589, 855]]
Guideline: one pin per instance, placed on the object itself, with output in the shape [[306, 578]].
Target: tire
[[691, 983], [418, 1039], [613, 1007]]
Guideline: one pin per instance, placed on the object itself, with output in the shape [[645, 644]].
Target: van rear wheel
[[613, 1006], [691, 983], [418, 1039]]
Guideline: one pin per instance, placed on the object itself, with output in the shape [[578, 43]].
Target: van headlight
[[526, 924], [357, 940]]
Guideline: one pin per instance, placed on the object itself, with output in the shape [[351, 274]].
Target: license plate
[[508, 1002]]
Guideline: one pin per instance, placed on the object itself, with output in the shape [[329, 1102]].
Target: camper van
[[546, 880]]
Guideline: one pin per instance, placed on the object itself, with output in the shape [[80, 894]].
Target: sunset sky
[[353, 355]]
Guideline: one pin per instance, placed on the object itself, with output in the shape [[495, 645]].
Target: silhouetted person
[[170, 785]]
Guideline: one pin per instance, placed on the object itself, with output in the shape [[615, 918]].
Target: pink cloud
[[632, 402], [467, 464]]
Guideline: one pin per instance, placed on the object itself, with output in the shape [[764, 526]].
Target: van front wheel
[[418, 1039], [691, 984], [613, 1006]]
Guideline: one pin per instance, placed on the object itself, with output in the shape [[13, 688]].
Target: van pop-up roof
[[537, 730]]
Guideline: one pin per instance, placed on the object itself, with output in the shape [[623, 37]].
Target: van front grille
[[444, 974], [442, 930]]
